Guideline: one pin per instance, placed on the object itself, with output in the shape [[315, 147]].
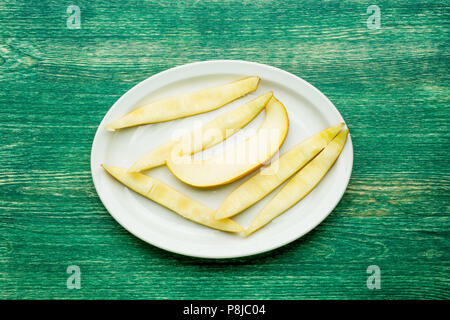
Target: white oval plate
[[309, 112]]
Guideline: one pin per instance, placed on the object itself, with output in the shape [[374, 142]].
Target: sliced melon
[[301, 184], [265, 181], [172, 199], [239, 160], [186, 104], [207, 136]]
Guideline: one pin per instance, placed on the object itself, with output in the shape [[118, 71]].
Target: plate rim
[[286, 241]]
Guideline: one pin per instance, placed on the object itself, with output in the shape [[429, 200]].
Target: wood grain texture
[[390, 84]]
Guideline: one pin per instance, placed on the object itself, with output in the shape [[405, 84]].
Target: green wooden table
[[389, 81]]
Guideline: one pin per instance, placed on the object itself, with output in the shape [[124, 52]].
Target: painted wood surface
[[391, 84]]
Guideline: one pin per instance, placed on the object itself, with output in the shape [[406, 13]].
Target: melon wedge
[[207, 136], [154, 158], [265, 181], [301, 184], [239, 160], [186, 104], [172, 199]]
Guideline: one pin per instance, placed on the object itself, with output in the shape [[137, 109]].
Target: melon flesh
[[239, 160], [301, 184], [171, 198], [205, 137], [187, 104], [266, 180]]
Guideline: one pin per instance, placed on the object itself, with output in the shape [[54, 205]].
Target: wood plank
[[390, 84]]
